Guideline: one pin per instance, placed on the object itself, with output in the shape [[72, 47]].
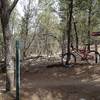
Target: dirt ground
[[79, 82]]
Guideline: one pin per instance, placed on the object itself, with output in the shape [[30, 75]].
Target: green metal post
[[17, 70], [96, 51]]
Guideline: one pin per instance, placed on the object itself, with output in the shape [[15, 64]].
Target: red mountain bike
[[91, 57]]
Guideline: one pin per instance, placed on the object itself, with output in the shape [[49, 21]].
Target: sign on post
[[95, 36], [95, 33]]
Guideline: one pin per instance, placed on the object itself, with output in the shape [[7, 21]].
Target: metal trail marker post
[[17, 70]]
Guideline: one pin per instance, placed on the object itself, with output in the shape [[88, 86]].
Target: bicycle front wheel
[[72, 59], [93, 57]]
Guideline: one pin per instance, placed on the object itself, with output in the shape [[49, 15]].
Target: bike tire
[[95, 59], [72, 59]]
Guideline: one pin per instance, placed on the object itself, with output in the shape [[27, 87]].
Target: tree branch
[[12, 6]]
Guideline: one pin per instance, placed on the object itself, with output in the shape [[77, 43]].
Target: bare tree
[[69, 27], [76, 34], [5, 12], [89, 23]]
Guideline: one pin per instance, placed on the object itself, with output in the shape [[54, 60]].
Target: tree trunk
[[69, 28], [89, 23], [8, 54], [63, 45], [5, 12], [76, 35]]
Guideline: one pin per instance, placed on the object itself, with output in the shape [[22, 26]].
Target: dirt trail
[[61, 83], [80, 82]]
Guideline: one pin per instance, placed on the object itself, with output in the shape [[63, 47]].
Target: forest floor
[[80, 82]]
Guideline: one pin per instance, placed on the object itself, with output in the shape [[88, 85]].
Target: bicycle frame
[[82, 53]]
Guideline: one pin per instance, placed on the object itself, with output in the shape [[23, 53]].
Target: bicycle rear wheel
[[93, 57], [72, 59]]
